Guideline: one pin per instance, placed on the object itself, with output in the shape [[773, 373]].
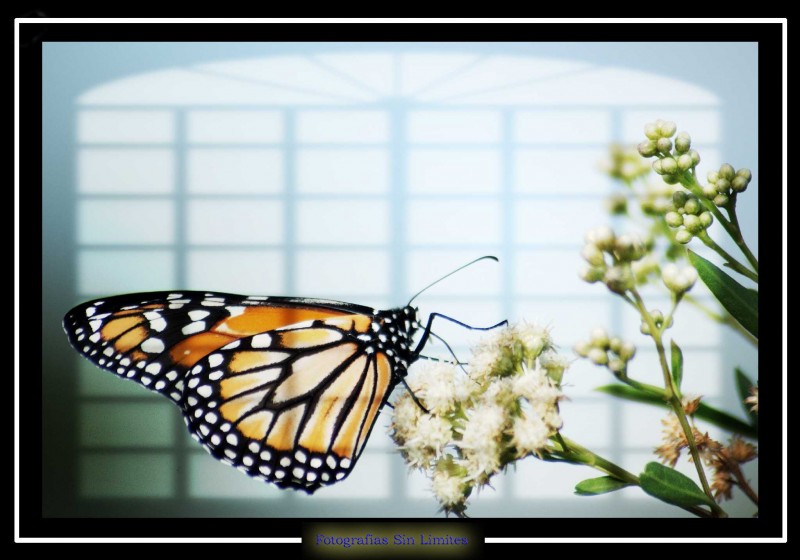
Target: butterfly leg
[[426, 333]]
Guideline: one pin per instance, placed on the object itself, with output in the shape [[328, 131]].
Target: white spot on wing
[[261, 340], [152, 315], [204, 391], [90, 311], [193, 328], [214, 360], [198, 314], [95, 324], [153, 368], [158, 324], [153, 346]]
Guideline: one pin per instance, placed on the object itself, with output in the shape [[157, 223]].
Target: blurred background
[[362, 172]]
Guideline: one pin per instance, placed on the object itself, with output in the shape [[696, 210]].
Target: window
[[265, 175]]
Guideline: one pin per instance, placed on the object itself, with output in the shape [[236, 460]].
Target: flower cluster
[[625, 164], [477, 424], [673, 157], [603, 350], [724, 183], [608, 257], [688, 216], [723, 459], [658, 319]]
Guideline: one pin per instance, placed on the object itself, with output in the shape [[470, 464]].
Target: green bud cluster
[[674, 156], [688, 216], [722, 184], [603, 350], [607, 256]]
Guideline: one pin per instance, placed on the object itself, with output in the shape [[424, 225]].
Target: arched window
[[362, 177]]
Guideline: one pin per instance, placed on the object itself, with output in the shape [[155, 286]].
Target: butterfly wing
[[295, 405], [154, 338]]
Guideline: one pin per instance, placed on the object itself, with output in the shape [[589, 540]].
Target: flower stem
[[671, 395], [741, 481], [738, 238], [574, 452], [731, 262]]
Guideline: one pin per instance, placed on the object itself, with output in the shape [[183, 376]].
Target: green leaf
[[671, 486], [740, 302], [600, 485], [677, 365], [704, 411]]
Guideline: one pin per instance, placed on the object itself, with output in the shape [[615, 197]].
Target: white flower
[[481, 462], [449, 490], [534, 337], [405, 417], [484, 425], [433, 432], [530, 434], [436, 387]]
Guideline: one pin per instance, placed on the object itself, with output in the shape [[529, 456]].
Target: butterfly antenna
[[460, 268]]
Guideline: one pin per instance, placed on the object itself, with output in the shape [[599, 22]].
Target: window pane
[[120, 475], [454, 222], [426, 265], [235, 127], [549, 272], [116, 271], [560, 172], [208, 478], [103, 222], [240, 222], [343, 223], [129, 127], [569, 127], [370, 479], [343, 171], [556, 222], [454, 127], [342, 127], [127, 424], [340, 274], [140, 171], [454, 171], [239, 272], [235, 171]]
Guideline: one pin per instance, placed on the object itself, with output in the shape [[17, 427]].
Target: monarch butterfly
[[285, 389]]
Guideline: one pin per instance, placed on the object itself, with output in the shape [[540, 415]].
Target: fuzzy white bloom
[[530, 434], [449, 489], [483, 462], [484, 426], [534, 337], [405, 418], [436, 386], [433, 432], [678, 280]]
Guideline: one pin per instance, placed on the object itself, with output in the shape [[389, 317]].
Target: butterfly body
[[285, 389]]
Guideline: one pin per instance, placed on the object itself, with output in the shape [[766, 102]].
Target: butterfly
[[285, 389]]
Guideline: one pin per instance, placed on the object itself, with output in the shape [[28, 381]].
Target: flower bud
[[656, 314], [651, 131], [629, 247], [582, 348], [710, 190], [695, 155], [677, 280], [614, 344], [598, 356], [679, 198], [673, 219], [664, 145], [616, 365], [599, 338], [692, 223], [667, 128], [683, 142], [670, 179], [627, 351], [685, 162], [592, 255], [723, 185], [712, 176], [692, 206], [745, 174], [602, 236], [726, 171], [706, 219], [591, 274], [721, 200], [644, 328], [619, 279], [683, 237], [647, 148], [617, 204], [739, 184]]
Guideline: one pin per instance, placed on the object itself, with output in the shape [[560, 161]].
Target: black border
[[769, 38]]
